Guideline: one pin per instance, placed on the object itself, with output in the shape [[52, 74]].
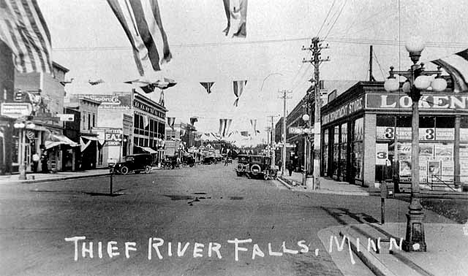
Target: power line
[[323, 23], [342, 40], [336, 19]]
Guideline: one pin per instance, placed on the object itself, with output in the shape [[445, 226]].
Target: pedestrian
[[226, 161], [291, 167], [280, 165], [44, 159], [35, 159]]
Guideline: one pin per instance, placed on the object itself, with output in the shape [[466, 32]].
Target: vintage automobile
[[135, 162], [255, 166], [242, 164]]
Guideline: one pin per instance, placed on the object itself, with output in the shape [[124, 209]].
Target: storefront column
[[456, 152], [369, 149]]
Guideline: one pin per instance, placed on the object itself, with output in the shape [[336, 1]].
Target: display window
[[357, 153]]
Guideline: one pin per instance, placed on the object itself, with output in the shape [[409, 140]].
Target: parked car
[[255, 166], [242, 164], [135, 162]]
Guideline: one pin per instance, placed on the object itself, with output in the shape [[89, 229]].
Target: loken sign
[[433, 102]]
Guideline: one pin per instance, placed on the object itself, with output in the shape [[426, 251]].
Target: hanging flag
[[238, 89], [24, 30], [171, 121], [236, 11], [457, 66], [224, 125], [193, 120], [96, 82], [149, 87], [253, 123], [142, 23], [207, 86]]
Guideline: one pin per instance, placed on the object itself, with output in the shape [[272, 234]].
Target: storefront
[[367, 137]]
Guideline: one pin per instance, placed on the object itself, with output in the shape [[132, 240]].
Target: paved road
[[191, 221]]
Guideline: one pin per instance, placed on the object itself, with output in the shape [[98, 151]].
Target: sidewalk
[[447, 248], [44, 177], [327, 186]]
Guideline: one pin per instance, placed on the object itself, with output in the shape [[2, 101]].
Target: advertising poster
[[405, 170], [434, 171], [426, 151], [444, 151], [448, 171]]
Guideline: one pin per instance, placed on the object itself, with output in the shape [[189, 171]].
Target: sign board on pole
[[15, 110], [300, 130], [66, 117]]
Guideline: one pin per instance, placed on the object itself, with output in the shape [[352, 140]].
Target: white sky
[[87, 39]]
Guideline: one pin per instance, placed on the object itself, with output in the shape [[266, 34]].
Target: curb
[[285, 182], [54, 179]]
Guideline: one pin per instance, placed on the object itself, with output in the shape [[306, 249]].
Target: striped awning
[[58, 139], [457, 66]]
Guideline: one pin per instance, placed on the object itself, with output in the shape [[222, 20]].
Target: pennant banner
[[207, 86], [253, 123], [457, 66], [171, 121], [24, 30], [141, 21], [238, 87], [148, 87], [236, 12], [224, 125]]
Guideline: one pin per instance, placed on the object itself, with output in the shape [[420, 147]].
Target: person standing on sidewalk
[[35, 159], [290, 167], [44, 159]]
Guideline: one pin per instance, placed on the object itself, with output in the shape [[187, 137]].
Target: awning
[[150, 150], [92, 138], [58, 139]]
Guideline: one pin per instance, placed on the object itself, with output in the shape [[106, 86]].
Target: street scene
[[233, 137]]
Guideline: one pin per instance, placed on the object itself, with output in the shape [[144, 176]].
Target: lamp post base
[[415, 238], [22, 172]]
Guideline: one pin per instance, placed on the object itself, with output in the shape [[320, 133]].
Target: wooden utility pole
[[284, 96], [316, 48]]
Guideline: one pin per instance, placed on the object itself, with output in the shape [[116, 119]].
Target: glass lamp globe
[[406, 87], [439, 84], [422, 82], [415, 44], [305, 117], [391, 84]]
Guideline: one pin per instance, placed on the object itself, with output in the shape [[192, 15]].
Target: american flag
[[24, 30], [141, 21], [457, 66]]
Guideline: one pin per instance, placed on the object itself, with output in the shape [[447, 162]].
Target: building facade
[[367, 137]]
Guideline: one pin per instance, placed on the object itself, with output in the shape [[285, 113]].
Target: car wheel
[[147, 169], [124, 170], [255, 169]]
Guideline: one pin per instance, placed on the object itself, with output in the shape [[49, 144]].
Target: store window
[[336, 152], [358, 149], [343, 151], [325, 152]]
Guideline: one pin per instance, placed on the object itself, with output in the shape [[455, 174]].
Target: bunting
[[24, 30], [457, 66], [238, 89], [149, 87], [236, 11], [142, 23], [171, 121], [253, 123], [224, 125], [207, 86]]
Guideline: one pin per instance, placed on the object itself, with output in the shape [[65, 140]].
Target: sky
[[88, 40]]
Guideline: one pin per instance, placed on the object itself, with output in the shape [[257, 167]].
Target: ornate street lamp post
[[22, 126], [417, 81]]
